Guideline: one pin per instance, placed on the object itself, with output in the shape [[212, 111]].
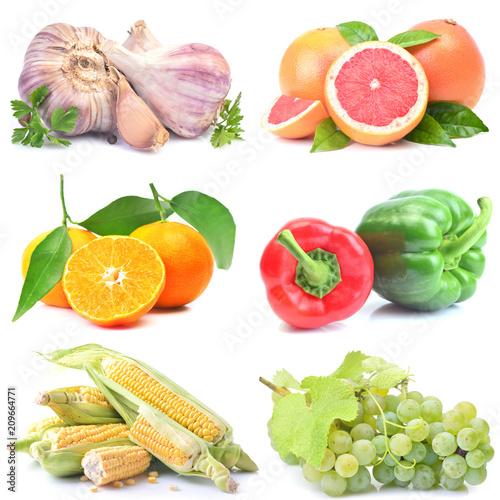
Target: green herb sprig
[[228, 126]]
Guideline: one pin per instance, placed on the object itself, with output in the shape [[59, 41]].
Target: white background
[[218, 346]]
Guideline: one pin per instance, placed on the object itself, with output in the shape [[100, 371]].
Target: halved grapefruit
[[376, 92], [292, 117]]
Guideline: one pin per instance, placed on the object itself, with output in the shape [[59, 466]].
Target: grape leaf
[[352, 366], [303, 430], [284, 378], [387, 379]]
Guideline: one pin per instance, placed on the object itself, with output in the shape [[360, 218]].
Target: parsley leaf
[[34, 132], [228, 126]]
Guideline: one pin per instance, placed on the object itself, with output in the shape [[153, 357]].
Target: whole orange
[[306, 61], [188, 260], [79, 238], [453, 63]]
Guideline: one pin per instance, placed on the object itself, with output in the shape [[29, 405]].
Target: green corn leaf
[[355, 32], [45, 270], [212, 219], [411, 38], [429, 131], [329, 137], [124, 215], [457, 120]]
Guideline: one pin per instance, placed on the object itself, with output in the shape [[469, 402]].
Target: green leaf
[[64, 121], [329, 137], [428, 131], [457, 120], [124, 215], [352, 366], [18, 135], [228, 127], [38, 95], [389, 378], [45, 270], [212, 219], [355, 32], [59, 140], [284, 378], [37, 140], [20, 108], [308, 382], [376, 364], [303, 430], [411, 38]]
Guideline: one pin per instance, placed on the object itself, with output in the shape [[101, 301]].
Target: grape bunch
[[406, 439]]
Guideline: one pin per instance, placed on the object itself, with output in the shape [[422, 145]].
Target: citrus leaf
[[212, 219], [411, 38], [428, 131], [329, 137], [457, 120], [124, 215], [284, 378], [45, 270], [355, 32]]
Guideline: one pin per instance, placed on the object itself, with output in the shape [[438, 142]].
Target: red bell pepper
[[316, 273]]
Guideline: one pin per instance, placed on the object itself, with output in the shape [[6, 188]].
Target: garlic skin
[[141, 39], [185, 85], [68, 61], [138, 125]]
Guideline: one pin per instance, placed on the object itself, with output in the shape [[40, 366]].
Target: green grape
[[391, 418], [408, 410], [390, 460], [481, 427], [454, 421], [437, 468], [391, 403], [333, 484], [475, 476], [431, 456], [467, 439], [444, 444], [416, 396], [328, 461], [434, 429], [468, 409], [371, 421], [364, 451], [362, 431], [401, 484], [404, 471], [449, 483], [380, 446], [433, 398], [346, 465], [417, 429], [312, 474], [359, 417], [291, 459], [383, 473], [487, 450], [370, 406], [432, 411], [417, 453], [454, 466], [360, 481], [475, 459], [424, 477], [400, 445], [339, 442]]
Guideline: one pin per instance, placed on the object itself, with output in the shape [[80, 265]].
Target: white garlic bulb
[[69, 62]]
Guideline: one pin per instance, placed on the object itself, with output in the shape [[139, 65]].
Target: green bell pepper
[[426, 247]]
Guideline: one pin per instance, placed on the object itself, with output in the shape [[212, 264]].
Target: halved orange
[[292, 117], [113, 280], [376, 92]]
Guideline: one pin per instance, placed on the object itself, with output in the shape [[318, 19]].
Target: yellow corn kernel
[[41, 424], [118, 484], [145, 387], [153, 473], [113, 463], [151, 479], [73, 435], [173, 487], [84, 479], [94, 396], [93, 489], [130, 482]]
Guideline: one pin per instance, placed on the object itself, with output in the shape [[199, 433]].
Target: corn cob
[[62, 449], [79, 405], [106, 465], [36, 431]]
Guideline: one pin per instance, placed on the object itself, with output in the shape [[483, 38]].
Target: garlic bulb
[[68, 61], [185, 86], [138, 125], [141, 39]]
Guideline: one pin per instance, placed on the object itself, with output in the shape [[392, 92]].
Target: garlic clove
[[138, 125], [141, 39]]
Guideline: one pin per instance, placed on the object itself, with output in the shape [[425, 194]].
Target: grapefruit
[[376, 92], [306, 61], [292, 117], [453, 63]]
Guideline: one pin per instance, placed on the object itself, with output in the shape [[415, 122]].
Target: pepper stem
[[453, 249]]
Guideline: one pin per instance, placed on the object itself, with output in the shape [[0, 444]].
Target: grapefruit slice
[[113, 280], [376, 92], [292, 117]]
